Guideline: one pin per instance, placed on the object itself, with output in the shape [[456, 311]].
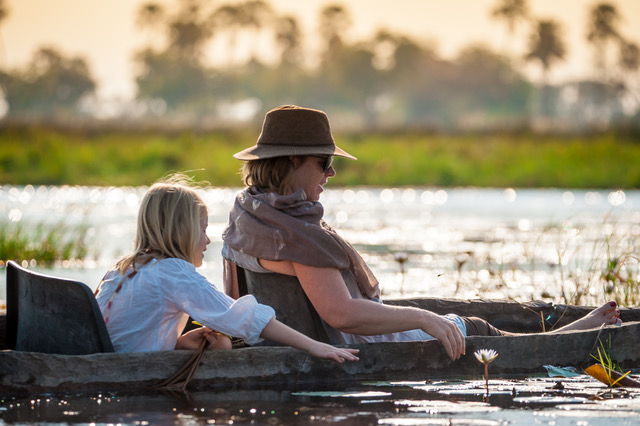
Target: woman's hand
[[447, 333], [193, 339]]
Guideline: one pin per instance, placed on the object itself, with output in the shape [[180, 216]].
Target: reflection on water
[[525, 401], [467, 242], [464, 242]]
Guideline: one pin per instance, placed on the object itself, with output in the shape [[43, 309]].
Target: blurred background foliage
[[387, 80], [104, 156], [409, 115]]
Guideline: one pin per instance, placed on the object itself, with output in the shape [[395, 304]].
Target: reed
[[586, 268], [42, 245]]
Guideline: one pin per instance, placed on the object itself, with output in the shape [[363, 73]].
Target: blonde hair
[[271, 174], [168, 223]]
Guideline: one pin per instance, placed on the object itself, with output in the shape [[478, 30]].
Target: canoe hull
[[288, 368]]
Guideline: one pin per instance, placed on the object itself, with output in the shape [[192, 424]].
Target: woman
[[276, 226], [148, 296]]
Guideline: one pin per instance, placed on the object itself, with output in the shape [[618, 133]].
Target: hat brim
[[258, 152]]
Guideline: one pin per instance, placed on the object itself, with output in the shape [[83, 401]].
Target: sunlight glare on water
[[459, 242]]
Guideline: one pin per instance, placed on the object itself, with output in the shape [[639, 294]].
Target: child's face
[[202, 243]]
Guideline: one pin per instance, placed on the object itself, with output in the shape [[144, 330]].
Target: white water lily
[[485, 356]]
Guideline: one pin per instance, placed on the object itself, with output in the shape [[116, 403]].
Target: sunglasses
[[328, 161]]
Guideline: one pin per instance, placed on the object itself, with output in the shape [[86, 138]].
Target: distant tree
[[4, 13], [547, 47], [334, 21], [602, 29], [383, 45], [329, 87], [630, 64], [288, 39], [189, 30], [184, 87], [4, 10], [174, 75], [487, 87], [150, 16], [629, 56], [512, 12], [419, 81], [51, 85], [251, 15]]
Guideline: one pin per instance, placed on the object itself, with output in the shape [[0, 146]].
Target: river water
[[523, 244]]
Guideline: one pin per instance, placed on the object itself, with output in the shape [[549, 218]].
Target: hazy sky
[[104, 31]]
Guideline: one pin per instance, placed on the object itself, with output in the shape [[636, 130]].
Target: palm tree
[[189, 31], [4, 12], [512, 12], [630, 63], [334, 20], [250, 14], [547, 47], [602, 28], [150, 16], [629, 56], [288, 38]]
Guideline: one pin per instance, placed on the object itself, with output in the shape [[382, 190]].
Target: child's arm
[[280, 333]]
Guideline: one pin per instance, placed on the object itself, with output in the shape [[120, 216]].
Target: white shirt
[[152, 307]]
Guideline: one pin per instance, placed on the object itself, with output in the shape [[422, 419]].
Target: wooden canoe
[[283, 367]]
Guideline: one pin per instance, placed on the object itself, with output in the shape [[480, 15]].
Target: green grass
[[42, 245], [39, 155]]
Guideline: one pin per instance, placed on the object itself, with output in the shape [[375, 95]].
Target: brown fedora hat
[[293, 130]]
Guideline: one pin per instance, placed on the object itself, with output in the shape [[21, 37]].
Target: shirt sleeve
[[194, 294]]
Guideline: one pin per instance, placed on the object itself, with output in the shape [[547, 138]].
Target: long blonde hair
[[271, 174], [168, 223]]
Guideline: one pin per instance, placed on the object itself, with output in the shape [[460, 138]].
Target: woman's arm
[[281, 333], [328, 293]]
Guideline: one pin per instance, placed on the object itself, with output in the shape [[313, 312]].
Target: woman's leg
[[607, 314], [480, 327]]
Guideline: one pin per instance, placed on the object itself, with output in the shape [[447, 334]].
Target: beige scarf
[[277, 227]]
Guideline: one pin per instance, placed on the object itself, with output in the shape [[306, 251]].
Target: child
[[148, 296]]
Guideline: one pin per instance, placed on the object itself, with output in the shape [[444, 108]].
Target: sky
[[104, 32]]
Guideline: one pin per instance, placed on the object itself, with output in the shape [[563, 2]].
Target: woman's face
[[202, 243], [310, 176]]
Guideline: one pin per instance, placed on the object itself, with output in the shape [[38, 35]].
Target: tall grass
[[32, 155], [42, 245], [587, 269]]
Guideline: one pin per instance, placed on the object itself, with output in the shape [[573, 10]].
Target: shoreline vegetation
[[125, 156], [110, 156]]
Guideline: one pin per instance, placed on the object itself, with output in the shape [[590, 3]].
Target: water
[[458, 242], [463, 242], [544, 401]]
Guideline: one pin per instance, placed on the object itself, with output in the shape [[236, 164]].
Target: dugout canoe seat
[[52, 315], [284, 294]]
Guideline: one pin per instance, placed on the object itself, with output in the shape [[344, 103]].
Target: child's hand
[[193, 339], [324, 351]]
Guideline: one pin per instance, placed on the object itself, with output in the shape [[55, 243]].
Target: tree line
[[384, 81]]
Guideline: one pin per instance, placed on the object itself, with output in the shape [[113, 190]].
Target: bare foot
[[606, 314]]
